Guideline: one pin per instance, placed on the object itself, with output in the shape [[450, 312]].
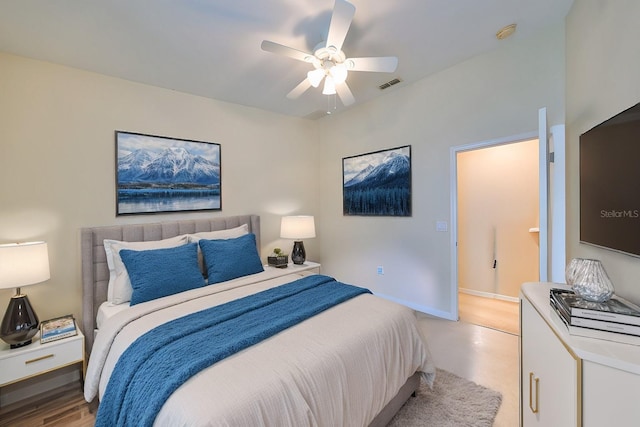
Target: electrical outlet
[[380, 270], [442, 226]]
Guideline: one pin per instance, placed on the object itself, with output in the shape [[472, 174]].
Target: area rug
[[453, 401]]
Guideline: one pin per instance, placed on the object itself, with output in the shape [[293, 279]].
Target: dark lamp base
[[20, 322], [298, 254], [22, 344]]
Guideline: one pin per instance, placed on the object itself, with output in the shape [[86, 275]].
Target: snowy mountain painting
[[159, 174], [378, 184]]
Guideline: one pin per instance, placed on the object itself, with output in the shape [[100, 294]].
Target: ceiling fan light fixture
[[329, 86], [330, 62], [339, 73], [315, 77]]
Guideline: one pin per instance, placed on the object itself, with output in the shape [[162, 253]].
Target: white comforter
[[340, 367]]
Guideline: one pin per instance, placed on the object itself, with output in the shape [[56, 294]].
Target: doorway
[[497, 230]]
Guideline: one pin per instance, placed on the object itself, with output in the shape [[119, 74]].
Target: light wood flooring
[[64, 406], [489, 312]]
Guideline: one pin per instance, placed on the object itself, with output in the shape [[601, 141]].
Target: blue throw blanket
[[155, 365]]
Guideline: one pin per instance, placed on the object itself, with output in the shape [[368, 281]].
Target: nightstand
[[308, 267], [36, 359]]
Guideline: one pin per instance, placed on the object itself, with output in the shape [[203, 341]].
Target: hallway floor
[[490, 312], [483, 355]]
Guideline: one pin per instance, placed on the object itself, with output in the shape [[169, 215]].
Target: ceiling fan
[[329, 61]]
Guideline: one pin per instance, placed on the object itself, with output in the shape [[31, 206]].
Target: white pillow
[[119, 289], [230, 233]]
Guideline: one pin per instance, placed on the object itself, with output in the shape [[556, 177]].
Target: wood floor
[[489, 312], [64, 406]]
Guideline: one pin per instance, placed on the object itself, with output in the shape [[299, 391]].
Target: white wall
[[57, 162], [488, 97], [603, 79]]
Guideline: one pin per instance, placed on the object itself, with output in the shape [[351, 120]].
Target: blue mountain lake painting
[[378, 183], [159, 174]]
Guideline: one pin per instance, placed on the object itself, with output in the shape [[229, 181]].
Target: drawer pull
[[537, 381], [37, 359]]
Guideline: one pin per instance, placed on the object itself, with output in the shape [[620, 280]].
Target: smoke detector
[[505, 32]]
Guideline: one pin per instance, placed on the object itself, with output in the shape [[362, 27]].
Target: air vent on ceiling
[[389, 83]]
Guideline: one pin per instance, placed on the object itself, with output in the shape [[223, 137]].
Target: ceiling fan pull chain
[[335, 105]]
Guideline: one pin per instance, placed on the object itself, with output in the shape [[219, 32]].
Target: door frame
[[453, 154]]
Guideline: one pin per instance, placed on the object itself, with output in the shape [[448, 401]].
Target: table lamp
[[21, 264], [298, 227]]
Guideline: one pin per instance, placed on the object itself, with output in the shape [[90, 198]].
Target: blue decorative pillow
[[158, 273], [231, 258]]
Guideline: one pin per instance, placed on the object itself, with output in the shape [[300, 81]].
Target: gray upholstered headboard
[[95, 273]]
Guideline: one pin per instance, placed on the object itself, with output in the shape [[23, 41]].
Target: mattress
[[107, 310]]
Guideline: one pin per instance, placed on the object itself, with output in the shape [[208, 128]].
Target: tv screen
[[610, 183]]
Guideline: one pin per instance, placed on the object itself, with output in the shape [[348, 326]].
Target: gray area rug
[[453, 401]]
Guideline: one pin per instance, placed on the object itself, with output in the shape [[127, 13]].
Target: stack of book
[[614, 320]]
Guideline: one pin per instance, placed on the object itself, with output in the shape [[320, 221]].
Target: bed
[[351, 363]]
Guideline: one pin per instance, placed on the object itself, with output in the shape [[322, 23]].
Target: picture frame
[[57, 329], [159, 174], [377, 183]]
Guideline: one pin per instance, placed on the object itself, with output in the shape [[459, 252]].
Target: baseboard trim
[[488, 295], [423, 309]]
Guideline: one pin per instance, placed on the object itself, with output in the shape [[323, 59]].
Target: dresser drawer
[[36, 359]]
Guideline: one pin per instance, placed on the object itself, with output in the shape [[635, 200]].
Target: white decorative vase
[[589, 280]]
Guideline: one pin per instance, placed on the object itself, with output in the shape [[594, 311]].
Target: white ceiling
[[211, 48]]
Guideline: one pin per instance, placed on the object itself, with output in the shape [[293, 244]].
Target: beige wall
[[497, 205], [491, 96], [603, 79], [57, 162]]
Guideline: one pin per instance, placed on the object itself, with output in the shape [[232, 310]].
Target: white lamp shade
[[297, 227], [23, 264]]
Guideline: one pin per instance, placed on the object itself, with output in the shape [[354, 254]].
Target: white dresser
[[567, 380]]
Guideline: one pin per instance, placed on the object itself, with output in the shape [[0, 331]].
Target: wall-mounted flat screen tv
[[610, 183]]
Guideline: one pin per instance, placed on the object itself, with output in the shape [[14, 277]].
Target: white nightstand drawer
[[35, 359]]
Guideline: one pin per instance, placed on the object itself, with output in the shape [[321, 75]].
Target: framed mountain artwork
[[158, 174], [377, 183]]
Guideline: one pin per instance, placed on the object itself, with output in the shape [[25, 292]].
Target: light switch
[[442, 226]]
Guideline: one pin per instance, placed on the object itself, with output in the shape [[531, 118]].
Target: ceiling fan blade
[[345, 94], [300, 89], [382, 64], [279, 49], [341, 18]]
